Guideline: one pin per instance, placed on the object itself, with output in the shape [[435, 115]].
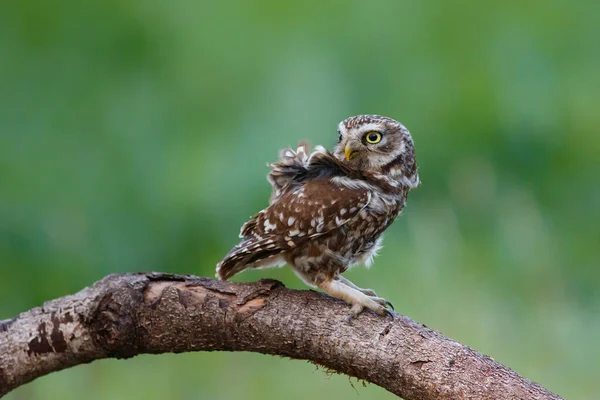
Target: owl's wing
[[290, 165], [295, 167], [312, 210]]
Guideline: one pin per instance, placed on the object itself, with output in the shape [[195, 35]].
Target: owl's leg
[[346, 282], [358, 300], [368, 292]]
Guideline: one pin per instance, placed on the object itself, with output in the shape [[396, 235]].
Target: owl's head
[[379, 145]]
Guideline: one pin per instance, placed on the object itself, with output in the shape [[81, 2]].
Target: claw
[[390, 305], [389, 313]]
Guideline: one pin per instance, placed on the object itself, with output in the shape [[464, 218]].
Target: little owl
[[328, 210]]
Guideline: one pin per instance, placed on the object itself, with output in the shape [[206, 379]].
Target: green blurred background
[[134, 137]]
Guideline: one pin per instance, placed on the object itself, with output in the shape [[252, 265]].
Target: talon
[[389, 305], [389, 313]]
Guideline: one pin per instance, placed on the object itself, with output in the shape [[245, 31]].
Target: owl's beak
[[350, 152]]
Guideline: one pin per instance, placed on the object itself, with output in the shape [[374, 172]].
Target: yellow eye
[[373, 137]]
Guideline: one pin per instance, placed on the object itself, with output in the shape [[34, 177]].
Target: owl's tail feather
[[251, 253]]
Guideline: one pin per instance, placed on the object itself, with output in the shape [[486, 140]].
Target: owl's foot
[[357, 299], [382, 308]]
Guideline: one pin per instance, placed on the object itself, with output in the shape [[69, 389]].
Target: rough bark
[[125, 315]]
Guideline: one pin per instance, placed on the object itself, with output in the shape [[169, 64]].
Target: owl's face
[[371, 142]]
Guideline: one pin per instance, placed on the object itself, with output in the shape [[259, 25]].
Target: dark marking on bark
[[426, 333], [385, 331], [419, 364], [251, 296], [184, 298], [159, 276], [67, 318], [40, 344], [105, 301], [58, 339], [115, 322], [266, 286], [5, 324], [102, 321], [452, 362], [224, 303], [202, 281], [271, 283]]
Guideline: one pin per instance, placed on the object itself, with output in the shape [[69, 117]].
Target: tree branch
[[125, 315]]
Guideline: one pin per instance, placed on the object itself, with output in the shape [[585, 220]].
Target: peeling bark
[[125, 315]]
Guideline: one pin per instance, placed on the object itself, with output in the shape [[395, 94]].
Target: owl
[[328, 210]]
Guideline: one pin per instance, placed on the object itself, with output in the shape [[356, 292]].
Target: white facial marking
[[402, 147], [372, 126]]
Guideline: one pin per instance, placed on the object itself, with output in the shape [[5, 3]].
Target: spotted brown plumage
[[328, 210]]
